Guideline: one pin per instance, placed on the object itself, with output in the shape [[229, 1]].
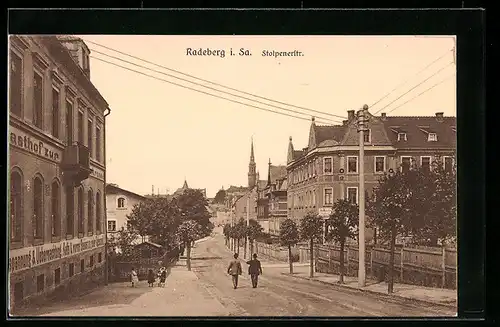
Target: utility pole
[[247, 241], [361, 238]]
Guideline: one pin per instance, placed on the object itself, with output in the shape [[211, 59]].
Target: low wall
[[274, 252]]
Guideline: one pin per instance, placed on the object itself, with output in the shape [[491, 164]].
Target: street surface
[[281, 295], [207, 291]]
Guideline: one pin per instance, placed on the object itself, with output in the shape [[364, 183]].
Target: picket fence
[[418, 265]]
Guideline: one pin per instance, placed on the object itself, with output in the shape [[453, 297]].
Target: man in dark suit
[[254, 270]]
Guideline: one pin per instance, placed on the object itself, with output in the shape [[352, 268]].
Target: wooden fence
[[435, 267], [275, 252]]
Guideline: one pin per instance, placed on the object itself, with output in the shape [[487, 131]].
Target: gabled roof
[[277, 172], [148, 243], [417, 130], [297, 154], [334, 132], [114, 189]]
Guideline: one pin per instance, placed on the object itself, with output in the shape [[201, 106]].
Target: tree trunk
[[245, 249], [375, 235], [290, 258], [251, 247], [188, 256], [311, 258], [341, 275], [390, 285], [238, 246]]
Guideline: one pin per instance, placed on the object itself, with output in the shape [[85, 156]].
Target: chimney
[[439, 116], [383, 116], [344, 122], [350, 115]]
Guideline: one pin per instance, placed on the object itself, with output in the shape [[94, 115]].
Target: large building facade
[[56, 169], [328, 168], [119, 204]]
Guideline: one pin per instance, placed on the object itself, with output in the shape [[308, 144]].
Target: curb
[[448, 306]]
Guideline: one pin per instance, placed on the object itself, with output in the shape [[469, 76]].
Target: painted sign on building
[[97, 173], [22, 140], [29, 257]]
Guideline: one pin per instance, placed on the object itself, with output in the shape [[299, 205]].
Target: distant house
[[149, 250], [119, 204]]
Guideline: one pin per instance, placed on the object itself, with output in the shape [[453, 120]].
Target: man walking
[[254, 270], [234, 270]]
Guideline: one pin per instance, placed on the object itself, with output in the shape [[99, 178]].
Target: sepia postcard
[[269, 176]]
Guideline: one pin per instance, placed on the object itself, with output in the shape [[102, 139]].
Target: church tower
[[252, 169]]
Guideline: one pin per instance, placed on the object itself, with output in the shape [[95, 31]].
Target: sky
[[162, 134]]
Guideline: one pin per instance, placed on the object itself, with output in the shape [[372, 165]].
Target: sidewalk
[[183, 295], [439, 296]]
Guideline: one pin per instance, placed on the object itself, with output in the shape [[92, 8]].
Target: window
[[55, 209], [70, 210], [111, 225], [99, 257], [98, 223], [38, 211], [16, 83], [37, 100], [57, 276], [80, 127], [328, 198], [82, 265], [40, 283], [379, 164], [80, 211], [92, 260], [448, 164], [69, 122], [367, 136], [71, 269], [352, 194], [405, 164], [402, 137], [352, 164], [425, 163], [121, 202], [18, 292], [328, 165], [90, 211], [16, 206], [55, 113], [432, 137], [98, 143], [89, 137]]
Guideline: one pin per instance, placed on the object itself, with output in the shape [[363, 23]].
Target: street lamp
[[361, 250]]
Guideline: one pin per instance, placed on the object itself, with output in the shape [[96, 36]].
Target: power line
[[214, 83], [418, 95], [208, 87], [207, 93], [425, 80], [406, 81]]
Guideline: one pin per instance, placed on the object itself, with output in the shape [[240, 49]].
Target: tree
[[220, 197], [189, 231], [289, 236], [239, 232], [194, 206], [343, 224], [123, 242], [226, 231], [311, 229], [254, 230]]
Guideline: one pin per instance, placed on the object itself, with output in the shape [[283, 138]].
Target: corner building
[[56, 168], [328, 168]]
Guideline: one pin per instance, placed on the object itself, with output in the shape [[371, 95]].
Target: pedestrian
[[235, 270], [254, 270], [163, 276], [134, 278], [151, 278]]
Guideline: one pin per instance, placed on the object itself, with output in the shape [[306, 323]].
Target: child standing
[[134, 277], [151, 278]]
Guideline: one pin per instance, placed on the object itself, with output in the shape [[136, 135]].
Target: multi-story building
[[272, 200], [57, 169], [119, 204], [328, 168], [185, 187]]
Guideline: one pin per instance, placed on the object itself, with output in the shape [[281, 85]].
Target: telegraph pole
[[361, 238], [247, 245]]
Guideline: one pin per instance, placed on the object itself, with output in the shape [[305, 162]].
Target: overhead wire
[[402, 95], [211, 88], [407, 80], [200, 91], [420, 94], [212, 82]]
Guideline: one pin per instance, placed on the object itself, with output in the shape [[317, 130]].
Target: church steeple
[[252, 173], [185, 186], [269, 173]]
